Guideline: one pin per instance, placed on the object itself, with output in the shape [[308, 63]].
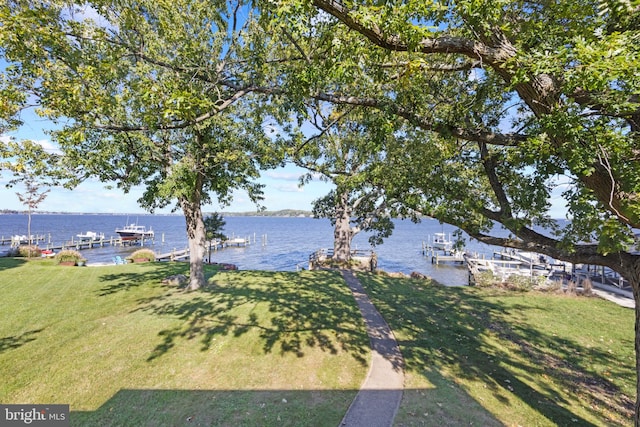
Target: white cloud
[[289, 188], [282, 175], [48, 146]]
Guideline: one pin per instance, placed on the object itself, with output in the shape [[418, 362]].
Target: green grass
[[278, 349], [123, 349], [489, 357]]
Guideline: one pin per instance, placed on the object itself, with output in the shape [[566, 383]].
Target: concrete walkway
[[378, 400], [619, 296]]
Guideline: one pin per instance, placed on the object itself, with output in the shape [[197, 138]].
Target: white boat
[[90, 236], [441, 242], [135, 232]]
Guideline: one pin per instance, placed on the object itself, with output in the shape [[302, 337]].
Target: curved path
[[378, 400]]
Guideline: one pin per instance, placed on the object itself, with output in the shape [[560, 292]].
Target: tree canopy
[[137, 88], [502, 103], [506, 105], [350, 148]]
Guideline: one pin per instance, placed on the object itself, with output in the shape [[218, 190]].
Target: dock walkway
[[183, 254]]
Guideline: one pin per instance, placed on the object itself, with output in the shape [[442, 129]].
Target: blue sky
[[281, 192], [281, 187]]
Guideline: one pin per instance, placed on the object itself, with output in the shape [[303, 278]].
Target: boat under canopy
[[134, 232]]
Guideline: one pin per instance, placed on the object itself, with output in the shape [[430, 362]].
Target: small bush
[[69, 255], [486, 279], [551, 286], [146, 254], [26, 251], [516, 282], [587, 286]]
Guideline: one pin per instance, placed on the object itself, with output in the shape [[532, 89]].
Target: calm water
[[277, 243]]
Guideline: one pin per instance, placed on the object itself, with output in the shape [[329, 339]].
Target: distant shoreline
[[279, 213]]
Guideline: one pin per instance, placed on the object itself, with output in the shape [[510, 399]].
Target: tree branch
[[477, 135], [446, 44]]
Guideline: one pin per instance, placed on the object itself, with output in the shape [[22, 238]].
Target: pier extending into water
[[80, 244], [212, 246], [45, 242], [21, 240]]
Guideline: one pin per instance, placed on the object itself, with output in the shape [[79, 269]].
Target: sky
[[281, 192], [281, 187]]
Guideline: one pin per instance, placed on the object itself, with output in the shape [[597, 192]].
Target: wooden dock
[[439, 256], [213, 246], [174, 255], [599, 275], [95, 243], [455, 257], [21, 240]]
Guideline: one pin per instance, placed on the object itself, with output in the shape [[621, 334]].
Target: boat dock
[[79, 244], [513, 262], [442, 256], [502, 269], [21, 240], [174, 255], [212, 246]]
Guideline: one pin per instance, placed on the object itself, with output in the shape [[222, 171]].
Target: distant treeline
[[283, 212]]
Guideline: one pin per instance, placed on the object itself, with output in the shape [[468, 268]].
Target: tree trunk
[[633, 276], [197, 237], [29, 242], [342, 233]]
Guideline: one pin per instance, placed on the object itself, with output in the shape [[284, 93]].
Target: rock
[[176, 280], [417, 275]]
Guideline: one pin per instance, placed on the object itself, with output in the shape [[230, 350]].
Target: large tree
[[349, 148], [136, 87], [523, 97]]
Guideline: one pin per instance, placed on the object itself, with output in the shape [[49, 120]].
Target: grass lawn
[[289, 349], [254, 348], [490, 357]]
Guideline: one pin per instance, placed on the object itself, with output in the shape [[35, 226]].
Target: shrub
[[551, 286], [486, 279], [517, 282], [26, 251], [69, 255], [146, 254]]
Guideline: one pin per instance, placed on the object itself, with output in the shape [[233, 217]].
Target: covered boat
[[134, 232]]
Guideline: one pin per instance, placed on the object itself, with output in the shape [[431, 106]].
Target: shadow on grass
[[136, 275], [447, 328], [290, 311], [10, 343], [7, 262], [159, 408]]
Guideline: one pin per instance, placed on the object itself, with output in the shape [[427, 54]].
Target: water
[[277, 243]]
